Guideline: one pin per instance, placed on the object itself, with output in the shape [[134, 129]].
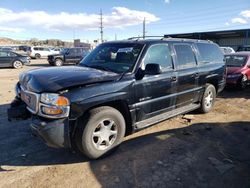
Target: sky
[[68, 20]]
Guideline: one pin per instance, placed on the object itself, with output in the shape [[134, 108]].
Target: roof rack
[[141, 37]]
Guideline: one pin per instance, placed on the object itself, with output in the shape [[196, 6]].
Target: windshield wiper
[[99, 67]]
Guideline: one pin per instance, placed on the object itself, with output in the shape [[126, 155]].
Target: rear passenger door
[[79, 55], [187, 74], [70, 56], [5, 60], [155, 94]]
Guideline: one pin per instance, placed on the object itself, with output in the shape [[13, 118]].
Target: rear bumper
[[55, 133]]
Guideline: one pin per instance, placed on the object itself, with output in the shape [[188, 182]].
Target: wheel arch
[[120, 105], [214, 81]]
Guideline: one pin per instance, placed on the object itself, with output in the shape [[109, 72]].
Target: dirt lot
[[212, 150]]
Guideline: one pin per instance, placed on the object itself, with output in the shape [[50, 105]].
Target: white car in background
[[41, 52], [227, 50]]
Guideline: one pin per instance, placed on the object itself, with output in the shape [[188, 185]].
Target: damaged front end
[[48, 112], [18, 110]]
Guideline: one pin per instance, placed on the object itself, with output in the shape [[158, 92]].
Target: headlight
[[233, 75], [54, 99], [54, 106]]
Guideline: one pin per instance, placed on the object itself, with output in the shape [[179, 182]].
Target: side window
[[209, 53], [11, 54], [71, 51], [36, 49], [78, 51], [46, 49], [158, 54], [185, 55], [3, 54]]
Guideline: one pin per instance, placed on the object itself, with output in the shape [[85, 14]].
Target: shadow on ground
[[232, 92], [201, 155]]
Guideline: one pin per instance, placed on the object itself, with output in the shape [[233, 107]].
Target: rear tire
[[17, 64], [37, 56], [102, 133], [58, 62], [208, 99]]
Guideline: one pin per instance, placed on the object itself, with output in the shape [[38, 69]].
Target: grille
[[31, 99]]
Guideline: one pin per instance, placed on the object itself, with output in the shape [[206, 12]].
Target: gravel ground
[[210, 150]]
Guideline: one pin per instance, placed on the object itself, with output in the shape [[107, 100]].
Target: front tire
[[104, 131], [208, 99], [17, 64]]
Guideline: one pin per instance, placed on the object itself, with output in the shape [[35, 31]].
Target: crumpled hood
[[58, 78], [234, 70]]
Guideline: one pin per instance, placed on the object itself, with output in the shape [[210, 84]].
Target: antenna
[[101, 26]]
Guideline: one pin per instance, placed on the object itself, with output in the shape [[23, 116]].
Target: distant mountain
[[34, 42]]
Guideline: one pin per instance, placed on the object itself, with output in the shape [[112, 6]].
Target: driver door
[[155, 94]]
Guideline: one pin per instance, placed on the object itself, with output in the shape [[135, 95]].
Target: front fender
[[79, 108]]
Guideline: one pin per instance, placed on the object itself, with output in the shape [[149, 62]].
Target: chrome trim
[[37, 96]]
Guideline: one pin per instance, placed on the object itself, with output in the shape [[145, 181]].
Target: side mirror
[[153, 69], [139, 74]]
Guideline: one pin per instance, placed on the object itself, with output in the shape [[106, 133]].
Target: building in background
[[230, 38], [78, 43]]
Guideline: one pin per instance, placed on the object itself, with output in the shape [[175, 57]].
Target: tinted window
[[185, 55], [244, 48], [235, 61], [35, 48], [3, 54], [158, 54], [72, 51], [11, 54], [210, 53], [78, 51]]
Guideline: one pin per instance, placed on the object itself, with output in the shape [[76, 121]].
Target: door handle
[[173, 78]]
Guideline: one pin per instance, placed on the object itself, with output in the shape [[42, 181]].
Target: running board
[[166, 115]]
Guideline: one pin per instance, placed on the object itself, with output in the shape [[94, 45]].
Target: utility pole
[[101, 26], [144, 28]]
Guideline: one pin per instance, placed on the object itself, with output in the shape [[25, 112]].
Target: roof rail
[[141, 37]]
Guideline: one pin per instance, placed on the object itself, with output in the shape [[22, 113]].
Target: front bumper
[[55, 133], [232, 81]]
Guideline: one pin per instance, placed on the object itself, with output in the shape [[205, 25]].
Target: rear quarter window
[[210, 53]]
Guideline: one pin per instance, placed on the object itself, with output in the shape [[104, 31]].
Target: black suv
[[118, 88], [68, 55]]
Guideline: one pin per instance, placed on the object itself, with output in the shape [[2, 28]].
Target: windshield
[[235, 61], [115, 57]]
